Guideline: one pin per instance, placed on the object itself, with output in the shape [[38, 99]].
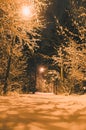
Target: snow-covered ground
[[42, 111]]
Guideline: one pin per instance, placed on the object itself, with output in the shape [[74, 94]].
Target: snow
[[43, 111]]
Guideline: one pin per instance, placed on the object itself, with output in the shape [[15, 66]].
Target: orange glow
[[41, 69], [26, 11]]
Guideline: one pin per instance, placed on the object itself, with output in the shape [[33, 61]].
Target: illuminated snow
[[42, 111]]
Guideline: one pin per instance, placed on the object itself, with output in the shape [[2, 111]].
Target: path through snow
[[42, 111]]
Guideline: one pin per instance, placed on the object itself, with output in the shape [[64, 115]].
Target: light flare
[[26, 11], [41, 69]]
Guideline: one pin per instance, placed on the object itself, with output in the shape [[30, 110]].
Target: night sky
[[57, 9]]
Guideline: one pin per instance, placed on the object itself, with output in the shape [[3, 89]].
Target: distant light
[[41, 69]]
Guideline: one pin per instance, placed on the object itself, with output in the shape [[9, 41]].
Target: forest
[[42, 46]]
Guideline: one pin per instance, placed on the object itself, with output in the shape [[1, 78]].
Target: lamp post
[[38, 72], [40, 79]]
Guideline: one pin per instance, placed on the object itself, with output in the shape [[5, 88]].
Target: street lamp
[[40, 79], [26, 11], [41, 69]]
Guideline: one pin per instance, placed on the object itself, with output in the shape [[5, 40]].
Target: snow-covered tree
[[74, 21], [19, 19], [70, 57], [75, 62]]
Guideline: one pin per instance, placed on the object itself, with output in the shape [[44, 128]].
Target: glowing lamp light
[[26, 11], [41, 69]]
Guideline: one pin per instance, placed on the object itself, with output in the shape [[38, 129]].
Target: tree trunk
[[35, 74], [8, 68], [62, 70], [62, 74], [7, 75]]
